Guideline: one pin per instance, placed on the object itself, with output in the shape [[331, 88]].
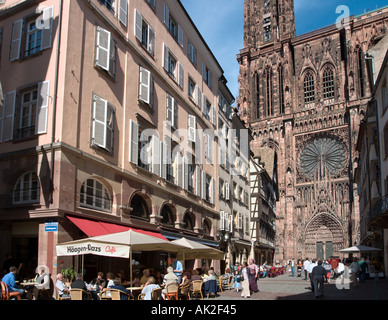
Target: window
[[192, 126], [309, 87], [146, 87], [172, 26], [208, 188], [189, 173], [95, 195], [269, 92], [208, 110], [188, 222], [144, 33], [360, 72], [192, 89], [167, 216], [152, 3], [140, 209], [281, 90], [207, 75], [27, 117], [105, 51], [102, 124], [27, 189], [328, 83], [33, 35], [209, 147], [109, 4], [172, 66], [34, 39], [192, 53]]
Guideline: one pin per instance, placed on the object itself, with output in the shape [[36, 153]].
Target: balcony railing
[[380, 208]]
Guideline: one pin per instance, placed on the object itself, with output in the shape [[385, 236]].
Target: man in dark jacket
[[319, 274]]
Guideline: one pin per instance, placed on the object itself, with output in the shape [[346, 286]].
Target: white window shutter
[[197, 181], [165, 56], [48, 15], [186, 174], [204, 105], [170, 109], [214, 115], [134, 142], [156, 155], [175, 114], [227, 192], [99, 121], [123, 11], [239, 220], [138, 25], [151, 41], [179, 176], [103, 50], [9, 113], [145, 85], [226, 221], [222, 220], [199, 95], [166, 15], [230, 222], [213, 194], [191, 126], [42, 107], [163, 159], [17, 29], [203, 185], [112, 57], [180, 35], [180, 75]]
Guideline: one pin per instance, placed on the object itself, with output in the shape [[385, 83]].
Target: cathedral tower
[[304, 96]]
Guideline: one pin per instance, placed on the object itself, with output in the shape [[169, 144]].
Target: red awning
[[94, 228]]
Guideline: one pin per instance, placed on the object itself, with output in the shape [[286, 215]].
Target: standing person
[[310, 270], [340, 271], [178, 268], [354, 269], [306, 264], [245, 284], [237, 280], [363, 270], [253, 272], [318, 275], [327, 267], [292, 265]]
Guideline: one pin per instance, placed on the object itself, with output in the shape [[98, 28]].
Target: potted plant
[[69, 274]]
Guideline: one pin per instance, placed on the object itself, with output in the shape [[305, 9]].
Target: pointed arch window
[[269, 92], [27, 189], [95, 195], [309, 87], [281, 89], [328, 83], [360, 72]]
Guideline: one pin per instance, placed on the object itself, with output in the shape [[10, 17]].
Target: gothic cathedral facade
[[304, 96]]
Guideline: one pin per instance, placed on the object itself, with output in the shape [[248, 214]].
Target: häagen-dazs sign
[[89, 247]]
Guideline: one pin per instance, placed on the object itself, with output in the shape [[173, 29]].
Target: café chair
[[79, 294], [196, 288], [172, 291], [6, 295]]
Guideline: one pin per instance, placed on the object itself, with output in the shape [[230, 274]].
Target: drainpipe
[[55, 102]]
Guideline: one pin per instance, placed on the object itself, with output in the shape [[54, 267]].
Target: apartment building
[[109, 122]]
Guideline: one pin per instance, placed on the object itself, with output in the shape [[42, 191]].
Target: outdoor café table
[[134, 289]]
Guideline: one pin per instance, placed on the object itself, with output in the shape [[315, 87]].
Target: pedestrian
[[327, 267], [340, 271], [363, 270], [306, 264], [245, 284], [318, 275], [354, 272], [310, 270], [292, 265], [253, 272]]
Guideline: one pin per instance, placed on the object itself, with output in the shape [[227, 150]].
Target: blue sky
[[220, 23]]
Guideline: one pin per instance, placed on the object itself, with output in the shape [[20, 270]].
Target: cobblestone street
[[285, 287]]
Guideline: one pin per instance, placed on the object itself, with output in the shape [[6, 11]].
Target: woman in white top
[[245, 284]]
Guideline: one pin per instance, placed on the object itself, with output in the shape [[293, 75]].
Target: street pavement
[[285, 287]]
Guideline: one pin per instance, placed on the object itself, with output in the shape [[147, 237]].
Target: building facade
[[304, 96], [109, 109]]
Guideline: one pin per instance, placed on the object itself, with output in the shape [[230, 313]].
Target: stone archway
[[323, 236]]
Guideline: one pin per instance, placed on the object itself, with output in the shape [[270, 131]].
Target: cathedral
[[304, 97]]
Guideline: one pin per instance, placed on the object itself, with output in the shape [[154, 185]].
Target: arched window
[[168, 215], [207, 227], [309, 87], [95, 195], [188, 222], [269, 92], [27, 189], [139, 207], [328, 83], [281, 89]]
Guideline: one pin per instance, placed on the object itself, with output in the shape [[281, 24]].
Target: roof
[[267, 156]]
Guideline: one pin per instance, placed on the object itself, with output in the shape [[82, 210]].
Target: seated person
[[144, 278], [80, 284], [170, 277], [210, 283], [149, 287], [225, 277], [42, 281], [117, 285], [210, 276], [99, 283], [186, 280], [195, 275], [9, 280], [63, 290]]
